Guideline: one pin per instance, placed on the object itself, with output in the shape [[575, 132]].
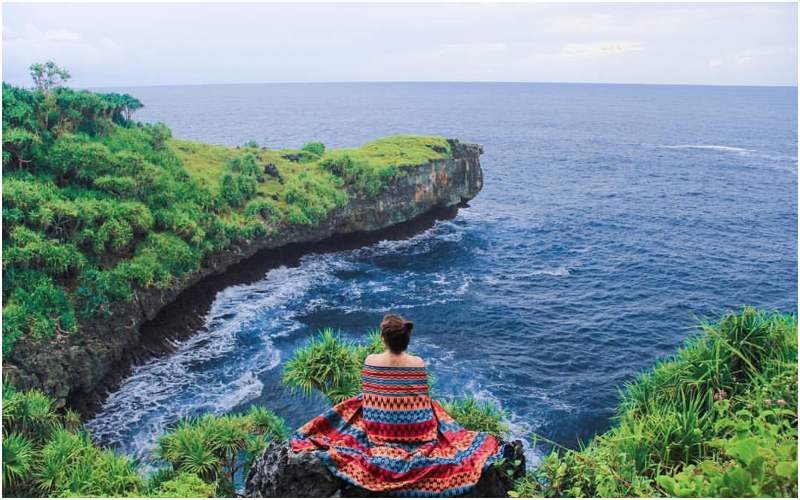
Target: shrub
[[476, 416], [312, 197], [183, 485], [218, 448], [327, 364], [98, 289], [316, 148], [17, 460], [39, 309], [42, 456], [263, 207], [47, 454]]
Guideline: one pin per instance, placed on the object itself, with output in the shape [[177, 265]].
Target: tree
[[47, 76]]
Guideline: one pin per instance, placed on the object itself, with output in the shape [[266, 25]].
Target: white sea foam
[[218, 369], [550, 271], [208, 372], [518, 428], [710, 147]]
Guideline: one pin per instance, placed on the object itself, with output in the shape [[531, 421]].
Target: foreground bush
[[47, 454], [718, 419]]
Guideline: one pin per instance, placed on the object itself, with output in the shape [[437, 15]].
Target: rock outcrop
[[70, 367], [281, 473]]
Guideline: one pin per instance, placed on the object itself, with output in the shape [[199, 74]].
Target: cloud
[[599, 48], [68, 48], [61, 36], [741, 58]]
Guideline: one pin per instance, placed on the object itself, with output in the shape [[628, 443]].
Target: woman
[[393, 438]]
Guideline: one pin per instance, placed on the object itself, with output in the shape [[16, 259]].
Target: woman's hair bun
[[396, 332]]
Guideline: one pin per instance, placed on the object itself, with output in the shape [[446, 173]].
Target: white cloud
[[68, 48], [742, 58], [59, 36], [599, 48]]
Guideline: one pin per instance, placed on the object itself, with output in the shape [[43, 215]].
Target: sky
[[164, 44]]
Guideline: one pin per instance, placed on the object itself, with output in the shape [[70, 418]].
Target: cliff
[[74, 365]]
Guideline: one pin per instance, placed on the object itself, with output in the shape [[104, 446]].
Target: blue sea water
[[613, 218]]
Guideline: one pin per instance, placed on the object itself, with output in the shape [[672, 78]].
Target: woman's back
[[393, 437], [396, 404]]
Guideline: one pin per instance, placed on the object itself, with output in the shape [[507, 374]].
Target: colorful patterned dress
[[393, 438]]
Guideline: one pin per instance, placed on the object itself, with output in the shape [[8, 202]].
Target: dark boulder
[[271, 170], [279, 472], [293, 157]]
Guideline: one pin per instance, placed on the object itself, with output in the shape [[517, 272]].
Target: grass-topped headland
[[98, 207]]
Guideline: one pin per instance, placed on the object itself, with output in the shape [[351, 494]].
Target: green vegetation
[[46, 453], [216, 449], [478, 416], [719, 419], [330, 365], [97, 207]]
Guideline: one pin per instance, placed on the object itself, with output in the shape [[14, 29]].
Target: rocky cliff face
[[281, 473], [74, 365]]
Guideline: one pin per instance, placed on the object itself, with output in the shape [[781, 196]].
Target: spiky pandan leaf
[[31, 413], [328, 364], [266, 423], [17, 459]]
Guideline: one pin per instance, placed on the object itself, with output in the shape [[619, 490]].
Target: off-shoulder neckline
[[395, 367]]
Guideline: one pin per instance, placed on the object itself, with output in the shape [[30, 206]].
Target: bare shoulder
[[416, 361], [372, 359]]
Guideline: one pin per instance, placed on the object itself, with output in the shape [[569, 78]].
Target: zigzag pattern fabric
[[394, 439]]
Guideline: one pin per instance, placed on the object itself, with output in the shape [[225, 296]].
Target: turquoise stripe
[[390, 381], [397, 416]]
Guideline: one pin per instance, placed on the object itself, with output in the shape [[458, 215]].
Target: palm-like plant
[[189, 448], [327, 364], [17, 459], [266, 423], [217, 448], [31, 413]]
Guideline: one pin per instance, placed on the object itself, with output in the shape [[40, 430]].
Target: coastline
[[185, 316], [80, 369]]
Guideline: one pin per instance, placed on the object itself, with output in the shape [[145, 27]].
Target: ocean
[[613, 219]]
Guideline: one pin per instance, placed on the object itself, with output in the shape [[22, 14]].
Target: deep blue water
[[612, 219]]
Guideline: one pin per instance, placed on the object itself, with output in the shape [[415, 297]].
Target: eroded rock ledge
[[78, 364], [281, 473]]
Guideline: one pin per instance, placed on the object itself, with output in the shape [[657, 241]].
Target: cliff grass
[[98, 208], [718, 419]]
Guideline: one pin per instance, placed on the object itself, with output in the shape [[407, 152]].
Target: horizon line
[[528, 82]]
